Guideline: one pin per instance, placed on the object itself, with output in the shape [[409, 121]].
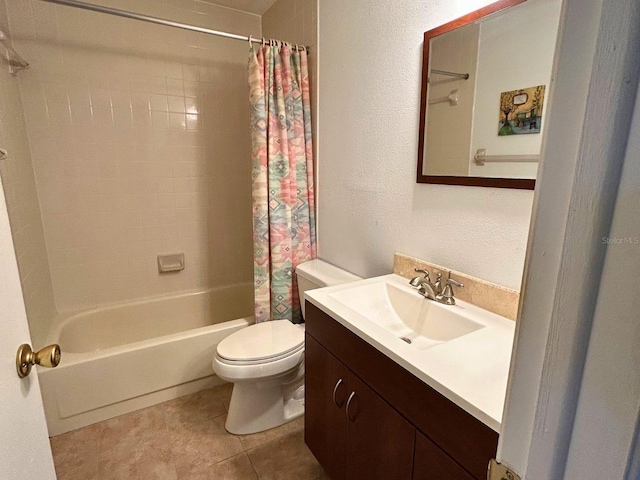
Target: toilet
[[265, 361]]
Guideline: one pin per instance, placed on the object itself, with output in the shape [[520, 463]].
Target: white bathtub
[[125, 357]]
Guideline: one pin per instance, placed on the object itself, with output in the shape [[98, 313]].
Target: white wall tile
[[125, 166], [20, 187]]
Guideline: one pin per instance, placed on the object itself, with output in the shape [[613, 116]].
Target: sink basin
[[407, 315], [461, 350]]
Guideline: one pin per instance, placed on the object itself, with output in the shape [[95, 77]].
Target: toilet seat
[[234, 371], [262, 361], [261, 343], [260, 351]]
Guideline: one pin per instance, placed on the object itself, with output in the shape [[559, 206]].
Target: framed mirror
[[485, 83]]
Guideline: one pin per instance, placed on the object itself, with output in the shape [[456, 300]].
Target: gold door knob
[[46, 357]]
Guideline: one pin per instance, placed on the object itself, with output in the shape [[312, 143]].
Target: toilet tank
[[318, 274]]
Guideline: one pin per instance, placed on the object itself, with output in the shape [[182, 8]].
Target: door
[[326, 395], [379, 440], [554, 367], [24, 442], [604, 440]]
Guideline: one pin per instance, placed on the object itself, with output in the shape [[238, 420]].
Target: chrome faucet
[[418, 281], [435, 291], [437, 287], [423, 284]]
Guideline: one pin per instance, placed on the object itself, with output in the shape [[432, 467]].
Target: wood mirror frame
[[519, 183]]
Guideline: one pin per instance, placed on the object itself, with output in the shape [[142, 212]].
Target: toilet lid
[[261, 341]]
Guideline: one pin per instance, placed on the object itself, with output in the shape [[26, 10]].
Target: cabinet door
[[325, 399], [431, 463], [379, 440]]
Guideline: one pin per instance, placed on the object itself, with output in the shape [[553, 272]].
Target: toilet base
[[259, 406]]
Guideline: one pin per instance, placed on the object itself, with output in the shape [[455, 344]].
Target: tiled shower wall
[[140, 145], [22, 203]]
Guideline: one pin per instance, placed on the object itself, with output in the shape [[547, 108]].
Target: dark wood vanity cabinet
[[368, 417], [352, 431], [431, 463], [325, 427]]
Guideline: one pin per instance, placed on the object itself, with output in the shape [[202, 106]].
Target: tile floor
[[183, 439]]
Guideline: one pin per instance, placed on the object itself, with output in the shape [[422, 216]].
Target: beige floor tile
[[183, 439], [197, 447], [286, 458], [124, 434], [75, 454], [197, 407], [150, 459], [256, 439], [234, 468]]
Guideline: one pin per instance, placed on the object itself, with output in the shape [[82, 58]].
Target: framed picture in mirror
[[485, 81]]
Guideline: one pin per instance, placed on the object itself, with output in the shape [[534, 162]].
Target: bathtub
[[125, 357]]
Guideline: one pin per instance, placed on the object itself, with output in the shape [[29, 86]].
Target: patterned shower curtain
[[284, 230]]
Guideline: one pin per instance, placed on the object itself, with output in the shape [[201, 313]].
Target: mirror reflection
[[487, 90]]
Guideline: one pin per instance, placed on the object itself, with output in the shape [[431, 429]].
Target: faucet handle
[[447, 295], [423, 271]]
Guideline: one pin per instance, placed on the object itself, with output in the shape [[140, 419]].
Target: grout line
[[246, 452]]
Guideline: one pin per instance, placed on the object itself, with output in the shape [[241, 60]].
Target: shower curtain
[[284, 230]]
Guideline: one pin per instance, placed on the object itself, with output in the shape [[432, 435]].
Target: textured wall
[[22, 204], [369, 203], [140, 144]]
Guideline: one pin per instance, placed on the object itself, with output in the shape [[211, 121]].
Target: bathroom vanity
[[376, 407]]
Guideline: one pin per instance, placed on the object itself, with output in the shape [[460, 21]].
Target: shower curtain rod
[[160, 21]]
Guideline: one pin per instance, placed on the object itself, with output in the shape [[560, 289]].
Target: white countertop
[[471, 370]]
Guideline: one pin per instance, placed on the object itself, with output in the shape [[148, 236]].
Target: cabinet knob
[[335, 391], [351, 397]]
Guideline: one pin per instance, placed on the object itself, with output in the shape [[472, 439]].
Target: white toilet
[[265, 362]]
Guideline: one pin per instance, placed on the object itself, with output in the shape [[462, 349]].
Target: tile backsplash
[[140, 146], [492, 297]]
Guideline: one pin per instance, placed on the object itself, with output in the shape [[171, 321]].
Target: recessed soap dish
[[173, 262]]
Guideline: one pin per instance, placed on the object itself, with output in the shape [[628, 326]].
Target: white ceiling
[[252, 6]]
